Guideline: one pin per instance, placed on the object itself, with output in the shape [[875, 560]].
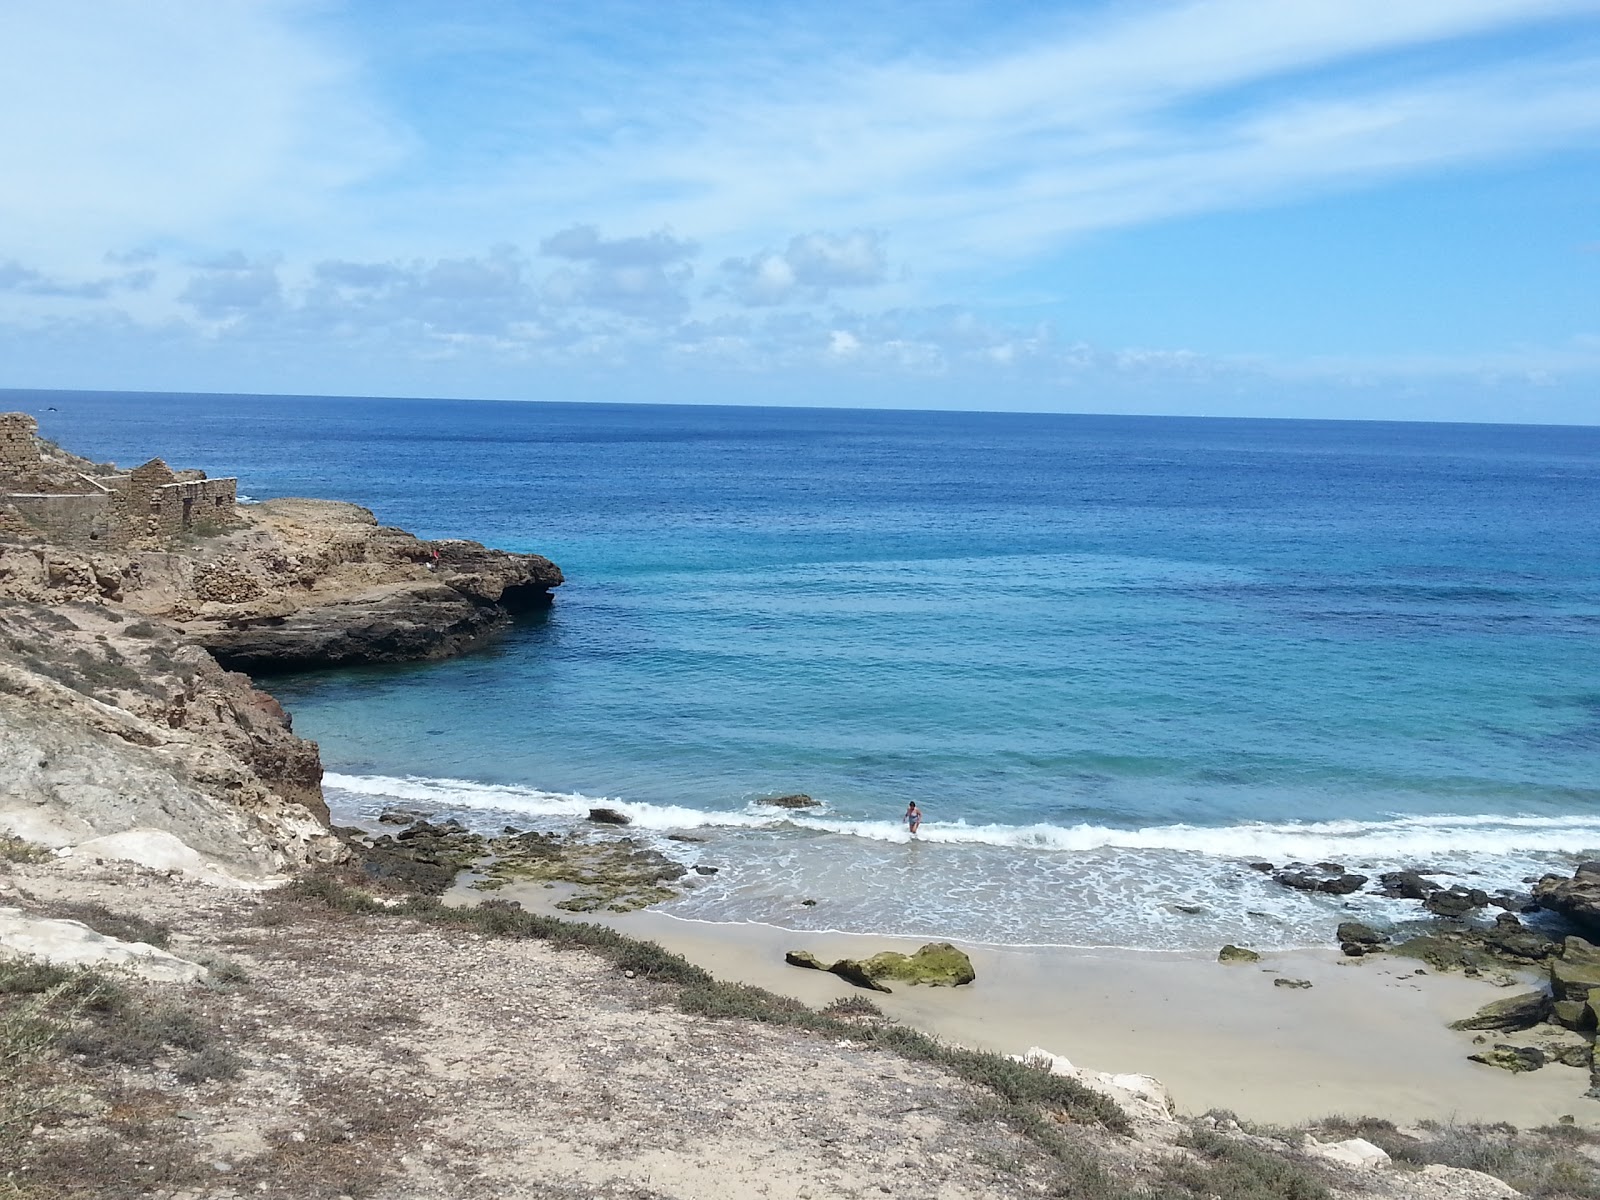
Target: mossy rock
[[1515, 1059], [1237, 954], [1573, 1014], [1574, 978], [938, 964], [1522, 1011], [1444, 952]]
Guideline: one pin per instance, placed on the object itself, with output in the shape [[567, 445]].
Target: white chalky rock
[[1352, 1152], [1137, 1095], [74, 944], [1464, 1183]]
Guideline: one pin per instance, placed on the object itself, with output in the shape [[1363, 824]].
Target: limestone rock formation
[[1522, 1011], [1577, 898], [74, 944], [115, 728]]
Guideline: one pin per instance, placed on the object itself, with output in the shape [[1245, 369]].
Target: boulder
[[1522, 1011], [1140, 1096], [1405, 885], [1515, 1059], [852, 971], [1576, 972], [704, 870], [609, 816], [795, 800], [1510, 936], [1450, 902], [1237, 954], [1577, 898], [938, 964], [74, 944], [1355, 931], [1352, 1152], [1573, 1014], [1337, 885]]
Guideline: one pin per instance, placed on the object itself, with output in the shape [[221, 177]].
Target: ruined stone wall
[[199, 504], [19, 452], [82, 521]]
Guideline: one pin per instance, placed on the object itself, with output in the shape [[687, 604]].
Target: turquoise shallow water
[[1111, 658]]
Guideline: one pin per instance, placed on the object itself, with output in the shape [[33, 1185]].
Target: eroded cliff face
[[123, 731], [117, 737]]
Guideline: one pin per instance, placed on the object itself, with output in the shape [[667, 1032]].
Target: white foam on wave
[[1394, 838]]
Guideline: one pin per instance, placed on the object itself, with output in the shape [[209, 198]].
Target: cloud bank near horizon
[[1332, 207]]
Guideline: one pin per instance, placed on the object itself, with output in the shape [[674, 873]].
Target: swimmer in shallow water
[[913, 818]]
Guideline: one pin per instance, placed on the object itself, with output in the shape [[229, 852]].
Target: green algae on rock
[[1237, 954], [1511, 1058], [614, 874], [938, 964]]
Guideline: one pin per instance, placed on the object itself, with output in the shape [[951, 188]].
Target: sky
[[1297, 208]]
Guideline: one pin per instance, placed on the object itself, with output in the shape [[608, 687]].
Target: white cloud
[[813, 264], [127, 121]]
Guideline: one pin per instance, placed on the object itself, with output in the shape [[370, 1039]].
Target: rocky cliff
[[120, 718], [120, 739]]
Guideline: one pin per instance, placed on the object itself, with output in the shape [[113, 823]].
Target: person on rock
[[913, 818]]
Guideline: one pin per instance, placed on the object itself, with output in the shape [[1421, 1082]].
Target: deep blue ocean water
[[1112, 658]]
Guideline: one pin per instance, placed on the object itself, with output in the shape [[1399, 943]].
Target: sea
[[1115, 660]]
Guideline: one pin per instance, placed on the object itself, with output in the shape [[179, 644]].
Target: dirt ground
[[392, 1058]]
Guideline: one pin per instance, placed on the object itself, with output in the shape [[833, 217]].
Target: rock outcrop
[[115, 728], [1577, 898], [119, 733]]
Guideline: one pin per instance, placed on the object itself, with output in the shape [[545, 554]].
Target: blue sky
[[1341, 208]]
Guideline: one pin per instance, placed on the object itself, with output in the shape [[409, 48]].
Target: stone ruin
[[52, 496]]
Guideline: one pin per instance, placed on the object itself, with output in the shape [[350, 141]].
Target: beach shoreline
[[1369, 1037]]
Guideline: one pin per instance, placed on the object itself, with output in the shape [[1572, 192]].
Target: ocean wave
[[1408, 837]]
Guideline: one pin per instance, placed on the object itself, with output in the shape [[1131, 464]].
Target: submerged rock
[[1237, 954], [1336, 884], [1291, 983], [1405, 885], [794, 800]]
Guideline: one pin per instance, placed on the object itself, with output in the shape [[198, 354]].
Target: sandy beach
[[1370, 1037]]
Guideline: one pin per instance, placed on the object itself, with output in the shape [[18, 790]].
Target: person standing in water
[[913, 818]]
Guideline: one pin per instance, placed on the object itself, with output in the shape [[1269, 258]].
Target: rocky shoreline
[[126, 729]]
